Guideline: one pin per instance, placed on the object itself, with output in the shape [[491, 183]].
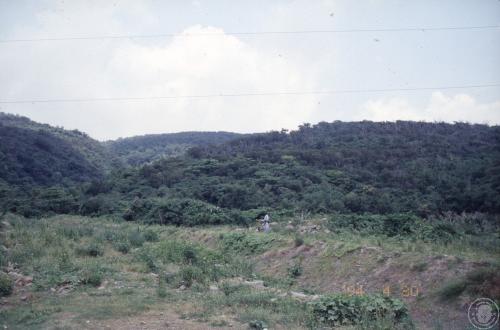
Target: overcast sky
[[226, 63]]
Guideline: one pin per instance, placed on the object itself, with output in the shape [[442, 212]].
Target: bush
[[420, 267], [6, 285], [109, 235], [3, 257], [171, 251], [189, 254], [246, 243], [229, 289], [298, 241], [92, 274], [150, 235], [340, 310], [452, 290], [187, 212], [257, 325], [123, 247], [147, 256], [479, 282], [93, 249], [161, 290], [136, 238], [437, 232], [295, 270], [402, 225], [192, 274], [95, 206]]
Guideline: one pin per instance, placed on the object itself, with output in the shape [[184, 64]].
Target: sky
[[205, 53]]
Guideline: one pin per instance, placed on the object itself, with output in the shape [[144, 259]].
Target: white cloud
[[194, 65], [183, 65], [230, 64], [459, 107]]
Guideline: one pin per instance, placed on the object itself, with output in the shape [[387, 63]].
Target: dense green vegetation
[[414, 168], [6, 285], [341, 310], [41, 158], [381, 167], [347, 168], [43, 154], [143, 149]]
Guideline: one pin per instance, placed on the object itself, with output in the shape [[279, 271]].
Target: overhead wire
[[246, 94], [252, 33]]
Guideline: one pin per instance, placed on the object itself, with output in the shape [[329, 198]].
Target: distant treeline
[[143, 149]]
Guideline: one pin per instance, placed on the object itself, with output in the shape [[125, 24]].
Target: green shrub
[[64, 259], [420, 267], [389, 225], [169, 278], [340, 310], [399, 225], [479, 276], [295, 270], [191, 274], [161, 290], [181, 252], [246, 243], [452, 290], [257, 325], [6, 285], [3, 257], [147, 256], [436, 231], [229, 289], [188, 212], [189, 254], [479, 282], [93, 249], [109, 235], [92, 273], [298, 241], [150, 235], [122, 246], [136, 238], [95, 206]]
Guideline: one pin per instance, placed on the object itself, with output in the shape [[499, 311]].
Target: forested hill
[[146, 148], [450, 164], [339, 167], [33, 153], [365, 143], [423, 168]]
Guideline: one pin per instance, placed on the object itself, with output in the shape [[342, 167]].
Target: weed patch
[[341, 310]]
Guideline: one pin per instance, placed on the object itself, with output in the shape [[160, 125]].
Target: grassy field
[[69, 272]]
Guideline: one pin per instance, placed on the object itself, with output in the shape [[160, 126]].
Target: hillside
[[33, 153], [143, 149], [380, 168], [80, 273], [373, 226]]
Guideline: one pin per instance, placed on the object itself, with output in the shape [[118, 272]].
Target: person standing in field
[[265, 224]]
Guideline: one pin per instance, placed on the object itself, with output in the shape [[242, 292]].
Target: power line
[[201, 96], [209, 34]]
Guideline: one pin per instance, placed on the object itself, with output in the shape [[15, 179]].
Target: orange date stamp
[[405, 291]]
